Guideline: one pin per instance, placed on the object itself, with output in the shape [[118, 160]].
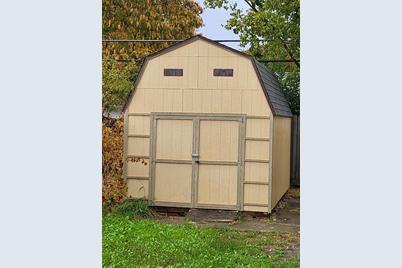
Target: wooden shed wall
[[281, 158], [198, 91]]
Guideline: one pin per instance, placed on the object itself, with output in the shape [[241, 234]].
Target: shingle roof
[[273, 89], [270, 84]]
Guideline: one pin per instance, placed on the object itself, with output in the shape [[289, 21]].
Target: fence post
[[295, 152]]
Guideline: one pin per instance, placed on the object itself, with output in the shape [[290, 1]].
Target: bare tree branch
[[290, 53]]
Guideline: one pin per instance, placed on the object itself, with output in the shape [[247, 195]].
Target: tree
[[139, 19], [147, 19], [116, 83], [272, 30]]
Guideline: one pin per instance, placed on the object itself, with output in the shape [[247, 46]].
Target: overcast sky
[[213, 21]]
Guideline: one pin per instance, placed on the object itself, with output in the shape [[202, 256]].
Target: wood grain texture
[[217, 184], [138, 125], [256, 172], [198, 91], [257, 150], [138, 146], [256, 209], [137, 189], [138, 168], [281, 158], [257, 194], [257, 128], [174, 139], [173, 183], [219, 140]]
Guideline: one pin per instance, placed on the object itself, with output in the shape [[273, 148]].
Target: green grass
[[133, 208], [131, 242]]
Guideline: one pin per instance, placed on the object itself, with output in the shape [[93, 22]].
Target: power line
[[180, 40], [160, 40], [262, 60]]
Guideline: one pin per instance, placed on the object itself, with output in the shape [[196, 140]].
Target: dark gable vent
[[223, 72], [173, 72]]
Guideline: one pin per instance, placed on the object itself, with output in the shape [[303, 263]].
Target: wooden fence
[[295, 152]]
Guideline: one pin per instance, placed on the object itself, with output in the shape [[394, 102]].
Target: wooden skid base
[[170, 211]]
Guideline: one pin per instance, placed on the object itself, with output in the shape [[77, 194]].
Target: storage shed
[[213, 126]]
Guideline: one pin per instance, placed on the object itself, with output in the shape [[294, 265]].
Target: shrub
[[114, 188], [132, 208]]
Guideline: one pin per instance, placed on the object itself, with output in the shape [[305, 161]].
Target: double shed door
[[197, 160]]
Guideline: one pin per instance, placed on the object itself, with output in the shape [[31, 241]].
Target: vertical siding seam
[[242, 157], [151, 182], [271, 158]]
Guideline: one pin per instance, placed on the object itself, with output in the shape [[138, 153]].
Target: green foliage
[[277, 22], [114, 188], [147, 243], [146, 19], [117, 82], [133, 208]]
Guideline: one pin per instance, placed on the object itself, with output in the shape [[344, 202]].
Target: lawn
[[148, 243]]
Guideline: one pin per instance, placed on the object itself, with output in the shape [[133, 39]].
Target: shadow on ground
[[284, 218], [283, 223]]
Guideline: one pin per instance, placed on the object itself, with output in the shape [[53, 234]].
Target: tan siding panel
[[137, 103], [257, 150], [203, 49], [172, 100], [214, 51], [173, 182], [190, 73], [257, 128], [187, 100], [219, 140], [169, 81], [198, 90], [254, 103], [153, 100], [256, 194], [151, 77], [252, 79], [137, 189], [212, 81], [138, 146], [254, 208], [197, 98], [217, 184], [138, 169], [189, 50], [138, 125], [256, 172], [281, 158], [174, 139], [203, 72]]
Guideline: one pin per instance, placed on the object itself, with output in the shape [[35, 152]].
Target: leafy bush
[[117, 82], [132, 208], [114, 188]]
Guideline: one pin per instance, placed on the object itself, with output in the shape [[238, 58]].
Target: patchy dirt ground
[[284, 218], [279, 230]]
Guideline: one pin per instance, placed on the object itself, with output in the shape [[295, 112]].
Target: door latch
[[195, 157]]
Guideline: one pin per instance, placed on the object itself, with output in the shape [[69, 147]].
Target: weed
[[133, 208]]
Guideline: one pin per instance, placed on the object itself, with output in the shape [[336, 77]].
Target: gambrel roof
[[272, 89]]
